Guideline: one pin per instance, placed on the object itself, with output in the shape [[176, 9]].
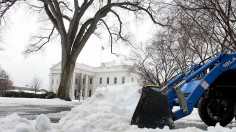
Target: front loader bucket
[[152, 110]]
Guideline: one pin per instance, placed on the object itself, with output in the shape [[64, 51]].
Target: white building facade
[[86, 79]]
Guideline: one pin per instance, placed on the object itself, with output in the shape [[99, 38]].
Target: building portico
[[82, 85], [86, 79]]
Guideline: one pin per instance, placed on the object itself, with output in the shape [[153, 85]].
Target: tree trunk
[[65, 85]]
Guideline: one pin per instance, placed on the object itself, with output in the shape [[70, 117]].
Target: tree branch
[[66, 17], [110, 34], [65, 5], [39, 44], [5, 6], [51, 17], [78, 13]]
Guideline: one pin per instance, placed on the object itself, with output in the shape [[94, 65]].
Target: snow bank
[[14, 123], [108, 110], [111, 109]]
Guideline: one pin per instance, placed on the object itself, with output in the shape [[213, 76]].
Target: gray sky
[[22, 70]]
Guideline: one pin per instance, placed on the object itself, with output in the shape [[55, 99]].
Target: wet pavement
[[198, 124]]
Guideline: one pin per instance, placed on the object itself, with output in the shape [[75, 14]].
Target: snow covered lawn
[[5, 101], [109, 109]]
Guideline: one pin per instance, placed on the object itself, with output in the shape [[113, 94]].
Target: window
[[100, 80], [91, 81], [75, 93], [115, 80], [132, 79], [90, 93], [76, 81], [123, 80], [52, 81], [108, 80]]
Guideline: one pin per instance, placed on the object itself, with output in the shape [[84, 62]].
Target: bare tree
[[5, 5], [211, 22], [159, 62], [199, 29], [140, 62], [5, 82], [75, 23], [36, 84]]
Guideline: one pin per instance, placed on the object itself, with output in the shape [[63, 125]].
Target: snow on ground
[[4, 101], [109, 109]]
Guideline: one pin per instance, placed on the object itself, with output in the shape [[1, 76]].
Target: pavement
[[198, 124]]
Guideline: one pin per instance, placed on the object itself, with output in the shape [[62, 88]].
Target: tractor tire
[[211, 112]]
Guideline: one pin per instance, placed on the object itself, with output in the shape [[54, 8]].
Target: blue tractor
[[210, 87]]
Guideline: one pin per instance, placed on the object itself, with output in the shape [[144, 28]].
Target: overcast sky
[[22, 69]]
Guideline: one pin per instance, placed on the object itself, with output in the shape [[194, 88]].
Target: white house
[[86, 78]]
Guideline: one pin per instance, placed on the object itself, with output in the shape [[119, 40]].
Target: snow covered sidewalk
[[108, 110]]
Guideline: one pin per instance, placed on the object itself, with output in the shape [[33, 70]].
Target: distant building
[[86, 78]]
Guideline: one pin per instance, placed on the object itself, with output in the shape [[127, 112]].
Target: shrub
[[48, 95]]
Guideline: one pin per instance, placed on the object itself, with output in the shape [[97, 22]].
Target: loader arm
[[219, 64], [154, 108]]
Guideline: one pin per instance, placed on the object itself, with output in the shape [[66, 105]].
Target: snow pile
[[43, 124], [110, 109], [14, 123]]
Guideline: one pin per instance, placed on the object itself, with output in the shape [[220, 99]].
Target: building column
[[86, 87], [72, 89], [81, 86], [59, 79], [93, 85], [50, 82]]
